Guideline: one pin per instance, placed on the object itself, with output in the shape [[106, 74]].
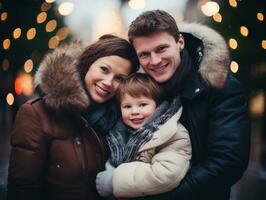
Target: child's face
[[136, 110]]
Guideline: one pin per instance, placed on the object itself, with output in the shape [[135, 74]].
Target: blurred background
[[30, 28]]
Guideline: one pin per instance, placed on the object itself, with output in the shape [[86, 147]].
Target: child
[[151, 149]]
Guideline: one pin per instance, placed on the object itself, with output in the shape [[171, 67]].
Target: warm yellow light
[[53, 42], [41, 17], [28, 65], [24, 84], [257, 104], [210, 8], [17, 33], [66, 8], [263, 44], [217, 17], [4, 16], [233, 3], [62, 33], [244, 31], [5, 65], [178, 16], [45, 6], [10, 99], [137, 4], [6, 44], [232, 43], [27, 84], [234, 66], [50, 1], [51, 25], [260, 16], [31, 33]]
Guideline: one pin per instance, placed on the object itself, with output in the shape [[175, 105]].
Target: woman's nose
[[108, 81]]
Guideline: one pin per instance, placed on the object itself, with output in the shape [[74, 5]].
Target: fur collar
[[215, 62], [58, 79]]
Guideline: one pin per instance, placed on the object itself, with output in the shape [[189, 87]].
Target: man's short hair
[[154, 21]]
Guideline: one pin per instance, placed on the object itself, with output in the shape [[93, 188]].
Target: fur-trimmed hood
[[58, 79], [215, 62]]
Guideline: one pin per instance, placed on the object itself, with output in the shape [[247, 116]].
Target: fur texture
[[59, 80], [214, 65]]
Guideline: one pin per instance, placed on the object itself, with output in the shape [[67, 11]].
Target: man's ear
[[181, 42]]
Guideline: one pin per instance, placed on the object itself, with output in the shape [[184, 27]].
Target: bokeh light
[[6, 44], [137, 4], [41, 17], [232, 43], [234, 66], [244, 31], [66, 8]]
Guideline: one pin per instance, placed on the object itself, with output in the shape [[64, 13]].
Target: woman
[[56, 153]]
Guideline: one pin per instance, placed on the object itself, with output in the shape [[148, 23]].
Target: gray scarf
[[124, 143]]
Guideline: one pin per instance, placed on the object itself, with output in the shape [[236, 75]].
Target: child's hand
[[104, 183]]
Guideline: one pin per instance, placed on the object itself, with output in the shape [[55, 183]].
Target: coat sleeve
[[28, 153], [167, 168]]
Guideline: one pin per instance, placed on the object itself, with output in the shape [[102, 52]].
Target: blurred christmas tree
[[242, 23], [28, 29]]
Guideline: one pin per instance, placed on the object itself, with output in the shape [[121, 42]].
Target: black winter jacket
[[215, 113]]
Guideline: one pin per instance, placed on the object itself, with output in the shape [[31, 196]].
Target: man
[[194, 64]]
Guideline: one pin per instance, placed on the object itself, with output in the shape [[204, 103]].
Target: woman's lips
[[101, 91]]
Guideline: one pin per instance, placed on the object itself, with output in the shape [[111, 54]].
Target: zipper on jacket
[[193, 126], [101, 146], [80, 152]]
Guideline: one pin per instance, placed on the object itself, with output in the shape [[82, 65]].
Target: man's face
[[159, 54]]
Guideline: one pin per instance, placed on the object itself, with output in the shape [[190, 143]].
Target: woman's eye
[[104, 69]]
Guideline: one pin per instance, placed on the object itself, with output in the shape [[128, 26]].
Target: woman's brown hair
[[107, 45]]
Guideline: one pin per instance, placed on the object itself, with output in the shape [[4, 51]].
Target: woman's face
[[104, 77]]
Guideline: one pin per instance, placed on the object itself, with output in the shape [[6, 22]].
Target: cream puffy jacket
[[162, 170]]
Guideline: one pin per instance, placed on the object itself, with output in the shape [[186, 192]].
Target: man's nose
[[155, 59]]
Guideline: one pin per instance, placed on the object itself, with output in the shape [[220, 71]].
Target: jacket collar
[[209, 52], [58, 80]]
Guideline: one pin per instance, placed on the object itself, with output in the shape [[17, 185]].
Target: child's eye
[[126, 106], [119, 78], [143, 104]]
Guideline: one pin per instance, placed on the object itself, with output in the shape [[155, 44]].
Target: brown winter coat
[[55, 153]]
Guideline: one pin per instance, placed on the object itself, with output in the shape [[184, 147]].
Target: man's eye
[[161, 48], [143, 55]]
